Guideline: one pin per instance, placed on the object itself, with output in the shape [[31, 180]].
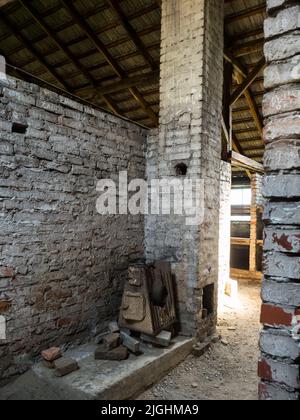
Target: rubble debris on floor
[[228, 369], [118, 353], [64, 366]]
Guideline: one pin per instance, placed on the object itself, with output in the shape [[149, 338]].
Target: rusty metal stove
[[148, 304]]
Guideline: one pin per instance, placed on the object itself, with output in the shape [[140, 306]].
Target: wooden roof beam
[[132, 33], [244, 35], [68, 53], [236, 146], [236, 64], [248, 48], [146, 107], [113, 63], [101, 48], [125, 83], [5, 2], [35, 53], [51, 34], [250, 164], [246, 13], [117, 69], [248, 81]]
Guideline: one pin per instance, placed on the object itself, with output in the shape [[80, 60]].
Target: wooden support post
[[227, 113]]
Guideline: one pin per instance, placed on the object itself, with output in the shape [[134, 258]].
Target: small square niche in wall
[[19, 128]]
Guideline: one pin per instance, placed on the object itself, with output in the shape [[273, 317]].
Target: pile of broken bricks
[[53, 359], [115, 345], [118, 343]]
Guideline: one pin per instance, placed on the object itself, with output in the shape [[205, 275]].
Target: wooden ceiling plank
[[125, 83], [51, 34], [113, 63], [67, 52], [248, 48], [132, 33], [244, 35], [246, 13], [35, 53], [101, 48]]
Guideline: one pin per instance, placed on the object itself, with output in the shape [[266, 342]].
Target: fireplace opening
[[208, 300]]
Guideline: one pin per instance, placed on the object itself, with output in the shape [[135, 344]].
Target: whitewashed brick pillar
[[190, 133]]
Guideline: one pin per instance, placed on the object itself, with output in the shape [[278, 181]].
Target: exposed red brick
[[264, 370], [4, 305], [273, 315], [63, 322], [283, 241], [6, 272]]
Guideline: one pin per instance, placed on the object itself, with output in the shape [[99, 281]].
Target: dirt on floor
[[228, 371]]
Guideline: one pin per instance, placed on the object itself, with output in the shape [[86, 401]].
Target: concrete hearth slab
[[101, 380]]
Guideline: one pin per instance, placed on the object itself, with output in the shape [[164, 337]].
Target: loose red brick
[[275, 316], [65, 366], [51, 354]]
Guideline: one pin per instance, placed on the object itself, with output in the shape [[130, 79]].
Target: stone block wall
[[62, 265], [280, 351], [189, 134]]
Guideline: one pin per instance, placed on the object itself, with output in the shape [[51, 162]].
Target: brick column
[[280, 353], [190, 134]]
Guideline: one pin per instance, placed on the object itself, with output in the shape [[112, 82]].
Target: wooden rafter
[[248, 48], [245, 162], [146, 107], [248, 81], [245, 13], [34, 52], [101, 48], [122, 84], [250, 101], [248, 34], [236, 146], [235, 63], [109, 58], [52, 35], [132, 33]]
